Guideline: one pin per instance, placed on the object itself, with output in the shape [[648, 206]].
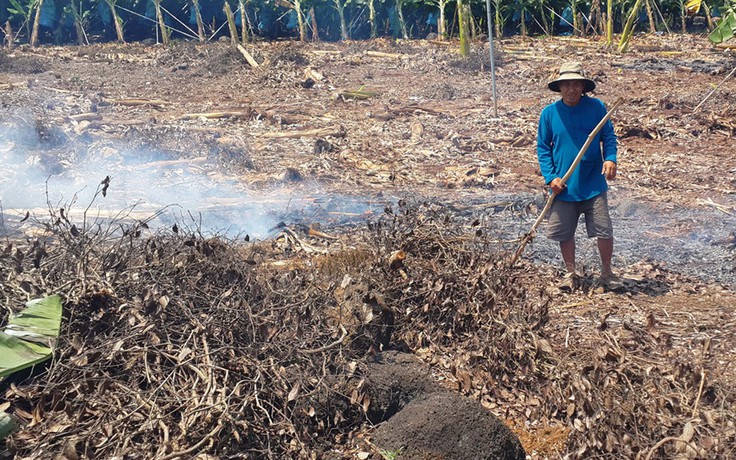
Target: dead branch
[[215, 115], [248, 57], [137, 102], [316, 132]]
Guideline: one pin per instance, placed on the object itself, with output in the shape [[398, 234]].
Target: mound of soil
[[447, 426]]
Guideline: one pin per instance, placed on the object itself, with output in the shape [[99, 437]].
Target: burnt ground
[[240, 150]]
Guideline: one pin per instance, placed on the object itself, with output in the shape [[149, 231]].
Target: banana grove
[[84, 21]]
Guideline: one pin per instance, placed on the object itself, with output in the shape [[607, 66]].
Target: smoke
[[193, 193]]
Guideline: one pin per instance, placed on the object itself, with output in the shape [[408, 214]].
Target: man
[[564, 127]]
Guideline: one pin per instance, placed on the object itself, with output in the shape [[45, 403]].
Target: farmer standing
[[564, 127]]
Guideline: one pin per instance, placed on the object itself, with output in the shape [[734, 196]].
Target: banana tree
[[340, 8], [198, 18], [78, 18], [165, 35], [522, 10], [629, 26], [36, 22], [230, 18], [441, 18], [726, 28], [372, 17], [298, 6], [463, 11], [111, 5], [22, 11], [243, 23], [609, 22], [399, 10], [498, 23]]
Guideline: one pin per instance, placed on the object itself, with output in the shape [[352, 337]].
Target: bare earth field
[[329, 136]]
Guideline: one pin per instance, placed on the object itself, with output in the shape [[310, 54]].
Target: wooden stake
[[528, 237]]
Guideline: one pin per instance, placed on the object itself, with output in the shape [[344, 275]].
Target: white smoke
[[33, 178]]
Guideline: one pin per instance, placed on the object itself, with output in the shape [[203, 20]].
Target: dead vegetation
[[178, 345]]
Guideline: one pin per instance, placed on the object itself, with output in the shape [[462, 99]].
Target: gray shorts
[[564, 216]]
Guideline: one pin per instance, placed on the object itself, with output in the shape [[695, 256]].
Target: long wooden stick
[[528, 237], [714, 89]]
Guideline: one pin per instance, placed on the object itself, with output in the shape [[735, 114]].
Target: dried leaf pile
[[178, 345]]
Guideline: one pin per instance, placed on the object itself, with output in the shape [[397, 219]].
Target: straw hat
[[571, 71]]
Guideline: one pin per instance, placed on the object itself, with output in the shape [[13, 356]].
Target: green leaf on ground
[[30, 336]]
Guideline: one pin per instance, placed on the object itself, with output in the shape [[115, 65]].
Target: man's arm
[[610, 150]]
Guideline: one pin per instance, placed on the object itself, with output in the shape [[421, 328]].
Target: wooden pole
[[493, 65], [528, 237]]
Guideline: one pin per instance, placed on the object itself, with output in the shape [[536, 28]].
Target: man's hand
[[557, 186], [609, 170]]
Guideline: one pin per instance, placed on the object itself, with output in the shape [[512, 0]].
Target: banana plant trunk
[[81, 35], [297, 5], [116, 19], [609, 23], [372, 18], [629, 27], [399, 4], [548, 29], [499, 19], [36, 22], [230, 17], [683, 15], [315, 28], [8, 35], [243, 22], [463, 12], [161, 23], [711, 24], [596, 18], [200, 22], [652, 25], [524, 32], [340, 7], [442, 21]]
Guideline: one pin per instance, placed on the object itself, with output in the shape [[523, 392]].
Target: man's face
[[572, 91]]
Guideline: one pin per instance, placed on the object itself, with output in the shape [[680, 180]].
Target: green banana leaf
[[725, 30], [30, 336]]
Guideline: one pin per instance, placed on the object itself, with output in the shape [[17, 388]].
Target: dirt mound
[[447, 426], [393, 381], [426, 420]]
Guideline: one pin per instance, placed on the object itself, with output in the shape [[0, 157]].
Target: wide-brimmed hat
[[571, 71]]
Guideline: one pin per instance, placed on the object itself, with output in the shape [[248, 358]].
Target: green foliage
[[629, 26], [30, 336], [350, 17], [726, 29], [391, 454]]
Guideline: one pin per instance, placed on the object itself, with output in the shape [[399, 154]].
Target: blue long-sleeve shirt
[[562, 132]]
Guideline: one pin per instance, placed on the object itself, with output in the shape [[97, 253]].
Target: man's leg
[[568, 254], [598, 222], [605, 247]]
